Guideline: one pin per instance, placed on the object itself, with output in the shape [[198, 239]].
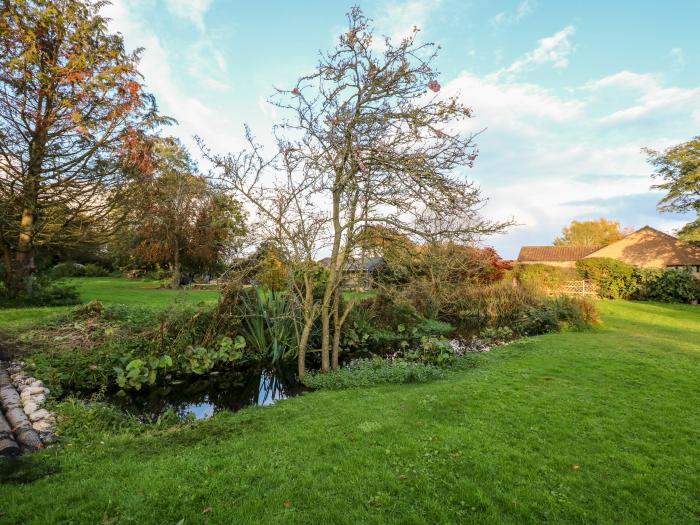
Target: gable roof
[[651, 248], [554, 253]]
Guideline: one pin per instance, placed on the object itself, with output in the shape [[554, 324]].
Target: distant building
[[645, 248], [359, 273]]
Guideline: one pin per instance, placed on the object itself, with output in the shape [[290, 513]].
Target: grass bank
[[109, 290], [597, 426]]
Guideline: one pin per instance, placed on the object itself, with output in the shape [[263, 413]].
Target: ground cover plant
[[569, 427]]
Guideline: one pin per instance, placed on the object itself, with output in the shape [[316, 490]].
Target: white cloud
[[624, 79], [653, 100], [195, 115], [547, 157], [398, 19], [192, 10], [553, 50], [511, 106], [523, 9]]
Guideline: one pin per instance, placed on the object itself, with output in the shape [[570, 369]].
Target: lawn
[[580, 427], [109, 290]]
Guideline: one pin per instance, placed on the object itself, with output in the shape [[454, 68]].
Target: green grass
[[109, 290], [580, 427]]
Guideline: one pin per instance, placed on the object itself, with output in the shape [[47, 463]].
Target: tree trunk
[[337, 326], [309, 316], [177, 270], [331, 285], [301, 357], [325, 335], [20, 275]]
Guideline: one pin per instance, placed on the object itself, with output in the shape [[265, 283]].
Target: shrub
[[129, 347], [495, 305], [381, 325], [543, 276], [368, 372], [495, 336], [268, 323], [158, 274], [45, 292], [615, 279], [95, 270], [555, 313], [67, 269], [669, 286], [436, 351]]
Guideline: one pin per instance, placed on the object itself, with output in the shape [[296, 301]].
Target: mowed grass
[[109, 290], [581, 427]]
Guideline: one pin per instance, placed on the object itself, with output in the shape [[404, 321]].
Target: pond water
[[202, 397]]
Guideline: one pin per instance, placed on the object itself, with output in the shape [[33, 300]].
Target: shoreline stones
[[32, 394]]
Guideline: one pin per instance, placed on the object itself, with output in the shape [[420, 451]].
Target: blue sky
[[569, 92]]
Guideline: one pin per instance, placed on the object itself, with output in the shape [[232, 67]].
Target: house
[[645, 248], [359, 273]]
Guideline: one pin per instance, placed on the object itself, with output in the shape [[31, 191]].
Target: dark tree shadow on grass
[[27, 469]]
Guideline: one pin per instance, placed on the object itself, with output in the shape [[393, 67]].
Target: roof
[[651, 248], [369, 265], [554, 253]]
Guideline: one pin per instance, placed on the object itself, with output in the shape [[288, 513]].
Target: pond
[[202, 397]]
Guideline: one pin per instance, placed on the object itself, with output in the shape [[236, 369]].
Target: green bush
[[381, 325], [495, 336], [555, 313], [67, 269], [368, 372], [495, 305], [615, 279], [436, 351], [97, 347], [267, 323], [95, 270], [669, 286], [543, 276], [46, 291]]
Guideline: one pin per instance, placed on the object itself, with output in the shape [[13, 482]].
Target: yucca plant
[[268, 324]]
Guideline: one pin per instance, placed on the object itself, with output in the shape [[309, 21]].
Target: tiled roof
[[554, 253]]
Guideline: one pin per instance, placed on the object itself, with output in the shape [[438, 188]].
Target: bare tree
[[375, 144], [280, 193]]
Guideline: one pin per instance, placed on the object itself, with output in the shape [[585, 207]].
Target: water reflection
[[202, 397]]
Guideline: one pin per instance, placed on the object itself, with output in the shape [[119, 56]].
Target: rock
[[30, 408], [48, 437], [39, 398], [39, 414], [37, 383], [44, 425], [33, 390], [25, 394]]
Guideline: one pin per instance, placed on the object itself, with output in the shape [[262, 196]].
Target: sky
[[567, 93]]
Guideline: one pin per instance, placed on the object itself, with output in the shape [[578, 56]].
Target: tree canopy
[[369, 133], [678, 171], [599, 232], [72, 113]]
